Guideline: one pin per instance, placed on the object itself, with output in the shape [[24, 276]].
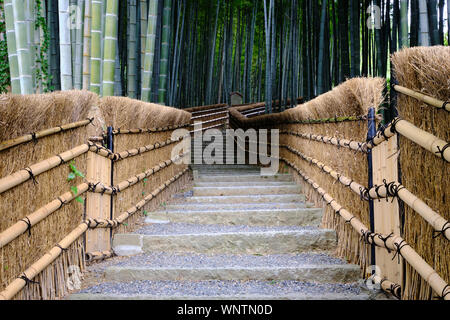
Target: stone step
[[245, 190], [260, 217], [248, 242], [201, 207], [244, 184], [248, 199], [222, 290], [310, 273], [306, 267], [228, 167], [243, 178]]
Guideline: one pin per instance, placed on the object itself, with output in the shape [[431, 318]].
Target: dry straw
[[425, 70]]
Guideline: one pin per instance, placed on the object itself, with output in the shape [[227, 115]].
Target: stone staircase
[[237, 235]]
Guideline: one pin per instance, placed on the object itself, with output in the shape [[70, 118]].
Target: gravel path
[[189, 260], [186, 228], [214, 288]]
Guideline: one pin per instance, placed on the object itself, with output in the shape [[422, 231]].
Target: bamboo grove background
[[187, 53]]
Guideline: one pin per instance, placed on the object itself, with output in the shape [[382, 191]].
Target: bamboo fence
[[326, 141], [37, 167]]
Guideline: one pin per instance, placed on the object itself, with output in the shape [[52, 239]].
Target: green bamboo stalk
[[404, 42], [132, 44], [78, 59], [12, 53], [143, 23], [87, 45], [110, 41], [424, 37], [149, 51], [23, 51], [162, 90], [96, 38]]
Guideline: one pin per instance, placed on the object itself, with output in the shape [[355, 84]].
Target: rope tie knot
[[27, 280], [32, 176], [398, 248], [438, 233], [27, 221]]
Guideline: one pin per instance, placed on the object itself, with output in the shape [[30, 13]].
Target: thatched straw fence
[[325, 144], [425, 71], [63, 193]]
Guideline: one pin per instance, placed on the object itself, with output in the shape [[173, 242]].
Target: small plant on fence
[[74, 173]]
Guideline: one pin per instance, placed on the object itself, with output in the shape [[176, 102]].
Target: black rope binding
[[399, 247], [444, 105], [385, 239], [32, 177], [28, 223], [441, 151], [27, 281], [62, 203], [60, 158], [33, 137], [62, 249], [438, 233]]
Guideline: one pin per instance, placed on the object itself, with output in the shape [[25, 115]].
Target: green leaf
[[125, 224], [74, 190], [80, 199], [71, 176]]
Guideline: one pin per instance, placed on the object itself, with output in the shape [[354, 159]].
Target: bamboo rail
[[350, 144], [352, 185], [390, 242], [34, 218], [43, 133], [122, 186], [209, 115], [438, 147], [18, 284], [445, 105], [98, 255], [389, 286], [34, 170], [395, 189], [114, 223], [151, 130]]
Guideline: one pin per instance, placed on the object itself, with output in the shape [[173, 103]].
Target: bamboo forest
[[189, 52]]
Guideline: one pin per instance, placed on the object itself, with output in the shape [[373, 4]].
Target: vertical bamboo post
[[98, 206], [387, 218], [370, 134]]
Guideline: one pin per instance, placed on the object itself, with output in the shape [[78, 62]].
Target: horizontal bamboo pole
[[150, 130], [207, 128], [34, 170], [424, 139], [34, 218], [390, 242], [209, 115], [122, 186], [98, 255], [134, 152], [350, 144], [389, 286], [354, 186], [424, 98], [396, 189], [18, 284], [40, 134]]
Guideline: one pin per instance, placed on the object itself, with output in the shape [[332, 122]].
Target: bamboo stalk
[[389, 287], [40, 134], [433, 218], [392, 242], [65, 45], [34, 218], [110, 42], [424, 98], [147, 71], [12, 51], [34, 170], [18, 284], [87, 45], [23, 50], [96, 39]]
